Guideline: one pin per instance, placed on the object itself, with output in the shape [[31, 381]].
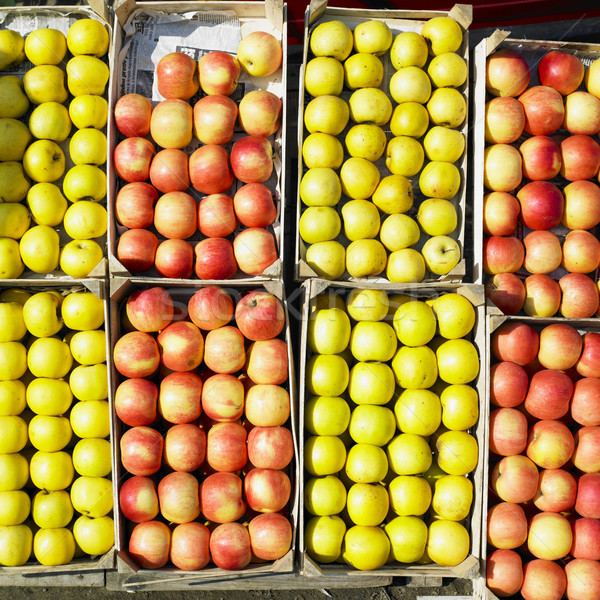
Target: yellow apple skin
[[456, 315], [89, 347], [367, 304], [394, 194], [327, 375], [361, 219], [85, 220], [44, 161], [326, 415], [50, 121], [410, 84], [92, 496], [404, 156], [14, 219], [322, 150], [366, 140], [86, 75], [14, 507], [452, 497], [408, 537], [13, 323], [78, 258], [448, 70], [14, 186], [84, 182], [51, 510], [409, 50], [15, 470], [460, 407], [458, 361], [418, 412], [447, 107], [366, 548], [49, 357], [324, 538], [45, 83], [327, 259], [444, 144], [12, 397], [409, 495], [437, 216], [414, 323], [11, 46], [47, 204], [366, 463], [409, 118], [359, 177], [371, 383], [448, 543], [443, 34], [324, 75], [370, 424], [328, 331], [91, 457], [88, 147], [46, 396], [15, 545], [373, 341], [14, 139], [94, 536], [415, 368], [324, 455], [365, 257], [88, 36], [370, 105], [89, 382], [51, 471], [324, 496], [399, 231], [367, 504], [49, 434], [88, 110], [409, 454], [320, 187], [319, 224], [90, 419], [439, 179], [332, 38], [13, 361], [14, 434], [326, 114], [45, 46], [53, 547], [13, 100], [405, 266], [374, 37], [457, 452], [363, 70]]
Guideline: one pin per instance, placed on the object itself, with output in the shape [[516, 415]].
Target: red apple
[[515, 479], [508, 431], [181, 346], [562, 71], [581, 251], [508, 384], [224, 350], [230, 546], [267, 490], [216, 217], [549, 394], [132, 115], [506, 526], [270, 536], [587, 503], [219, 73], [138, 500], [507, 292], [585, 403], [254, 206], [171, 123], [259, 316], [135, 401], [550, 445], [177, 76], [582, 114], [541, 158], [260, 113], [267, 362], [209, 169], [226, 447], [543, 580], [500, 213], [507, 73], [502, 168], [136, 250], [178, 497], [267, 405], [254, 250], [185, 447], [586, 456], [134, 205], [515, 342], [543, 253], [583, 579], [542, 296], [210, 308], [550, 536], [582, 205], [174, 259], [504, 120], [270, 447], [579, 296], [179, 397], [580, 156], [136, 354], [560, 346], [542, 205], [190, 546], [586, 539], [252, 159], [169, 171], [214, 119], [175, 215], [149, 544], [149, 309], [221, 498], [141, 450], [544, 109], [504, 572], [215, 259], [557, 490], [132, 157], [502, 255], [588, 364], [223, 398]]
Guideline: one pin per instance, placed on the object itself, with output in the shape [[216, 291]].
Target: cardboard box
[[129, 571], [469, 568], [398, 21], [131, 76]]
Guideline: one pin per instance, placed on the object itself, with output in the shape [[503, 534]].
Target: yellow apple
[[409, 495], [443, 34], [47, 396], [366, 463], [455, 314], [371, 383], [327, 259], [324, 538], [79, 258], [14, 295], [49, 357], [415, 368], [40, 248], [13, 100], [86, 75], [320, 187], [361, 219], [373, 341], [85, 220], [85, 182], [366, 548], [363, 70], [326, 415], [14, 139], [447, 107], [409, 454], [88, 147], [323, 76], [328, 331], [359, 178], [410, 84], [94, 536], [90, 419], [50, 121], [437, 216], [458, 361], [45, 46], [92, 458], [418, 412], [399, 231], [452, 497], [404, 156], [12, 397], [53, 547], [324, 455], [409, 118], [89, 382], [441, 254], [448, 70], [444, 144], [13, 323], [11, 265], [14, 507], [45, 83], [460, 407], [405, 266], [373, 36], [41, 314], [15, 472], [49, 433], [321, 150], [367, 304], [89, 347], [14, 186], [408, 50], [87, 36], [366, 140], [11, 48], [326, 114], [88, 110], [370, 424], [92, 496], [331, 38], [324, 496], [457, 452], [365, 257], [439, 179], [326, 375], [14, 217], [414, 323], [51, 510], [47, 204], [370, 105], [15, 545], [367, 504], [319, 224], [82, 311], [408, 537], [394, 194], [14, 434], [448, 543], [51, 471], [44, 161], [13, 361]]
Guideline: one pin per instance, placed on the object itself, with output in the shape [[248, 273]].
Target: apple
[[215, 259], [177, 76], [149, 544], [588, 364], [506, 526], [169, 171], [136, 354], [583, 579], [132, 157], [585, 402], [580, 156], [582, 205], [267, 405], [260, 113], [136, 250], [560, 346], [586, 539], [504, 120], [562, 71], [542, 205], [504, 572], [254, 250], [171, 123], [542, 296], [550, 536], [216, 217], [252, 159], [507, 73], [579, 296], [544, 109], [502, 255], [132, 115], [267, 362], [179, 397], [582, 114], [543, 253], [500, 213], [515, 342], [209, 169], [175, 215], [138, 499], [586, 456], [581, 252], [134, 205], [178, 497], [270, 536], [184, 447], [270, 447], [259, 316], [549, 394], [515, 479], [221, 498], [541, 158], [189, 549], [557, 490], [226, 447], [210, 308], [508, 431], [149, 309], [543, 580], [507, 292], [587, 503], [218, 72], [174, 258], [550, 444], [230, 546], [267, 490], [254, 206], [502, 168], [135, 401], [223, 397], [141, 450], [224, 350], [214, 119], [260, 54], [508, 384]]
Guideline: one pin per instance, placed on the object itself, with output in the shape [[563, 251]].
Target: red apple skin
[[190, 546], [259, 316], [209, 169], [588, 364], [549, 536], [507, 73], [132, 157], [150, 309], [174, 259], [579, 296], [138, 499], [267, 490], [210, 308], [557, 490], [136, 354], [580, 155], [177, 76], [582, 204], [136, 250], [544, 110], [270, 536], [587, 503], [149, 544], [219, 73], [585, 403], [223, 398], [171, 123], [507, 292], [221, 498], [543, 253], [178, 497], [175, 215], [582, 114], [267, 405], [224, 350], [185, 447], [252, 159], [216, 217], [226, 447], [270, 447], [541, 158], [214, 119], [508, 431], [515, 479], [141, 450], [542, 205], [502, 168], [560, 346], [500, 213], [550, 445], [583, 579], [135, 401], [169, 171], [586, 539], [508, 384], [542, 296], [586, 456], [215, 259], [502, 255], [515, 342], [506, 526], [543, 580], [254, 206], [504, 120], [230, 546], [132, 115], [562, 71], [181, 346], [504, 572], [260, 113], [581, 252], [254, 250], [549, 394], [179, 397], [134, 205], [267, 362]]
